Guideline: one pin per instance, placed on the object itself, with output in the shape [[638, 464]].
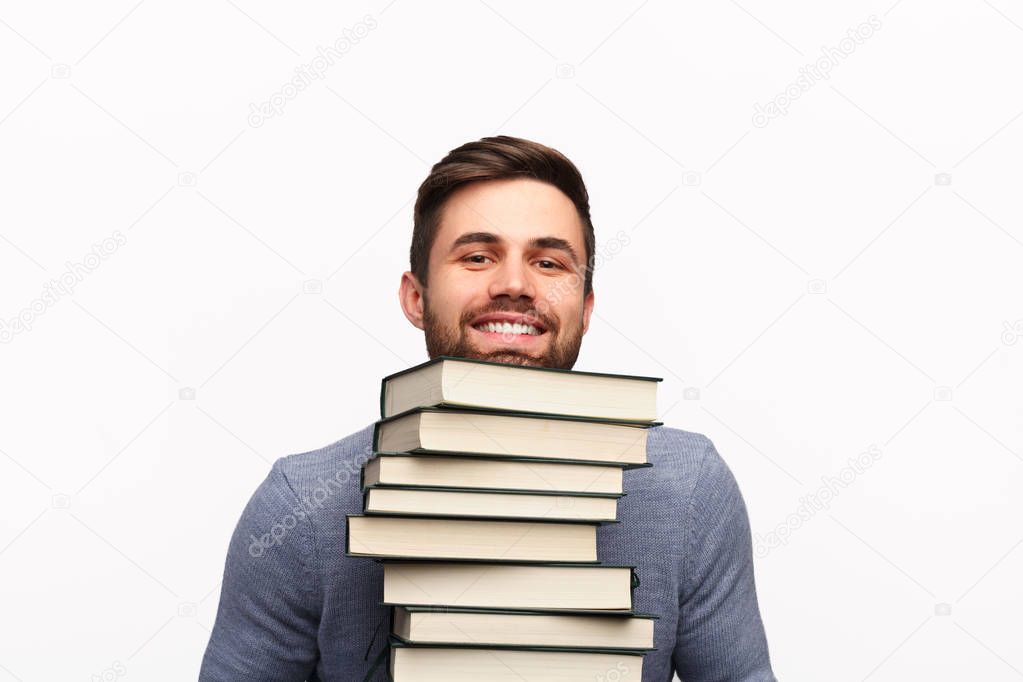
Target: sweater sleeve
[[720, 634], [268, 617]]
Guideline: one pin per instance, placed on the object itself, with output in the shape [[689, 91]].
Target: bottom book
[[472, 664]]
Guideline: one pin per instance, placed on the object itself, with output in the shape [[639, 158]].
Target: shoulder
[[689, 464], [337, 463], [676, 445], [303, 487], [685, 456], [302, 495], [282, 512]]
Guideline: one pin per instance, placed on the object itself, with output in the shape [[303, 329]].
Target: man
[[501, 233]]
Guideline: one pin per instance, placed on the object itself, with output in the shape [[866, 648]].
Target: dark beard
[[561, 354]]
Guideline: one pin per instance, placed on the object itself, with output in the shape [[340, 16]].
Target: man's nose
[[512, 278]]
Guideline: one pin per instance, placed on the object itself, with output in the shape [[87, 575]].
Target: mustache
[[531, 314]]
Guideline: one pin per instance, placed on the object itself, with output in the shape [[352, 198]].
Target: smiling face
[[506, 277]]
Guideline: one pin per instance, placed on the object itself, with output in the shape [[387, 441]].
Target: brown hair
[[495, 158]]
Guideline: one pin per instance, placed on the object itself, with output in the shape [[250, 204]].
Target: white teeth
[[508, 328]]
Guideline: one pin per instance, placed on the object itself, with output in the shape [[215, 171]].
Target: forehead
[[516, 210]]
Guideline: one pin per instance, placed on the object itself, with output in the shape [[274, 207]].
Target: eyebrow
[[535, 243]]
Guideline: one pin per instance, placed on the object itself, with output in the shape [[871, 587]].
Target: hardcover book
[[449, 431], [506, 504], [436, 538], [496, 627], [548, 586], [490, 473], [467, 382], [472, 664]]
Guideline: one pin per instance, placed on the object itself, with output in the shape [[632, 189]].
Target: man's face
[[506, 252]]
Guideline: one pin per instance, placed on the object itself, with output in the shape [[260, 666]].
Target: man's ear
[[587, 310], [410, 295]]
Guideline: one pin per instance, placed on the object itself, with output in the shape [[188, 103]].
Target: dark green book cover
[[523, 415], [483, 517], [502, 491], [525, 612], [501, 458]]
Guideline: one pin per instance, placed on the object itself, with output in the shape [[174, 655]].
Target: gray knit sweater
[[293, 607]]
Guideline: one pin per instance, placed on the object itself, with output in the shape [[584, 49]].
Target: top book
[[447, 381]]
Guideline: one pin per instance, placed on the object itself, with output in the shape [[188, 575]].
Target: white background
[[847, 276]]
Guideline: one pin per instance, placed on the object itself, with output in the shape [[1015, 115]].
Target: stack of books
[[482, 502]]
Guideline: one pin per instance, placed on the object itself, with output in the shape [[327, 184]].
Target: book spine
[[376, 436]]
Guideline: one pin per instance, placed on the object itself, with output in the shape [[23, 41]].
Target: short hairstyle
[[495, 158]]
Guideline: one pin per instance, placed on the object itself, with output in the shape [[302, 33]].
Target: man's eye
[[550, 263], [472, 258]]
